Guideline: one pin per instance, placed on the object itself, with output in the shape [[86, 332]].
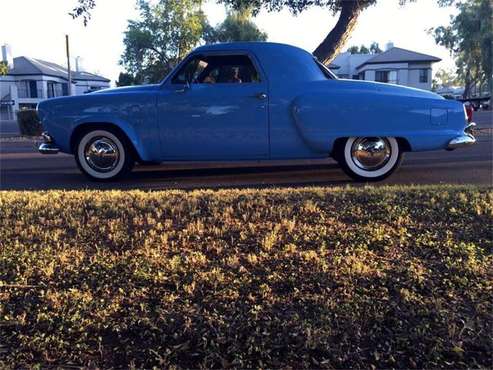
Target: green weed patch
[[323, 278]]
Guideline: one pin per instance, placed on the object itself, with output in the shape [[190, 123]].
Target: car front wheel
[[103, 155], [369, 158]]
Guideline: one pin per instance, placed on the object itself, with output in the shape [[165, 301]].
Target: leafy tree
[[4, 68], [126, 79], [83, 9], [237, 26], [164, 34], [469, 37], [445, 78], [349, 12], [373, 49]]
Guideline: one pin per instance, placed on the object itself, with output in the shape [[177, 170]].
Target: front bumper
[[466, 139], [48, 147]]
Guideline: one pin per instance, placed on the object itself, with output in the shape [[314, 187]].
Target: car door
[[215, 108]]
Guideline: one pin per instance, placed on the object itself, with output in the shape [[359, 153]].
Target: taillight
[[468, 109]]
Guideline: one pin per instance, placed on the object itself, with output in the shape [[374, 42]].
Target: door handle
[[260, 96]]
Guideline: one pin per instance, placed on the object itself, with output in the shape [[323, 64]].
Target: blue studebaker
[[252, 101]]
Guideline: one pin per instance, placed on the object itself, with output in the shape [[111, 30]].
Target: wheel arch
[[404, 145], [89, 126]]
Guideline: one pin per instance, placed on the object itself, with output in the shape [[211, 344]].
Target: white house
[[29, 81], [395, 65]]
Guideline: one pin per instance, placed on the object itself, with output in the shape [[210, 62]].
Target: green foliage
[[373, 49], [29, 124], [166, 31], [4, 68], [237, 26], [295, 6], [83, 9], [446, 78], [335, 39], [126, 79], [387, 277], [469, 37]]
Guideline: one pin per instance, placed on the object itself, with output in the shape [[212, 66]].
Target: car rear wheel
[[369, 158], [103, 155]]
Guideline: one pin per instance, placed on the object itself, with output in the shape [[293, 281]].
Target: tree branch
[[337, 37]]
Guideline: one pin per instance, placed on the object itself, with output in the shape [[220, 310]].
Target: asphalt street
[[23, 168]]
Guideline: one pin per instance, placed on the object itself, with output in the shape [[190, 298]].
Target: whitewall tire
[[369, 158], [103, 155]]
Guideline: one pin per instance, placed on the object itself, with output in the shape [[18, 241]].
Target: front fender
[[133, 113], [123, 125]]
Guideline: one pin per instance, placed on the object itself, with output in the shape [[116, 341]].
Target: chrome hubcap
[[102, 154], [370, 153]]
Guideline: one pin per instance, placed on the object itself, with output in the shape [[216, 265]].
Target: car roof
[[248, 45]]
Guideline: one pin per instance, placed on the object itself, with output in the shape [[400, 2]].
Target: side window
[[189, 71], [212, 69]]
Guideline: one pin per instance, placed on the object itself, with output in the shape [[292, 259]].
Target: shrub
[[29, 124], [321, 278]]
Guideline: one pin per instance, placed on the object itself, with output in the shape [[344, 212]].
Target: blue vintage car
[[252, 101]]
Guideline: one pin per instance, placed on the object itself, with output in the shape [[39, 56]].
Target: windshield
[[327, 72]]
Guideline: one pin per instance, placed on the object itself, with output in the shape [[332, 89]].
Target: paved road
[[21, 168], [9, 129]]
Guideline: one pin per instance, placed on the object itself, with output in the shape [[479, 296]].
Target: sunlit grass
[[384, 277]]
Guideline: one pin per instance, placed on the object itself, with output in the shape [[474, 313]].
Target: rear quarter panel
[[322, 115]]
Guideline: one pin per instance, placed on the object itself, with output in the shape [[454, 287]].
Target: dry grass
[[388, 277]]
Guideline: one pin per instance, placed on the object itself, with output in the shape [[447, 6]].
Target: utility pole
[[67, 45]]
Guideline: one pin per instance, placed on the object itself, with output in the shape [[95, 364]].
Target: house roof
[[29, 66], [399, 55]]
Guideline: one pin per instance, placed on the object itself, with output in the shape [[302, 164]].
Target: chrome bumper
[[48, 147], [466, 139]]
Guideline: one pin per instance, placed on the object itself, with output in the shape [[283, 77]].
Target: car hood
[[127, 89], [390, 89]]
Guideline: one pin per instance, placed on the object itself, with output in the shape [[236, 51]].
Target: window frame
[[252, 57], [329, 75], [386, 72], [423, 76]]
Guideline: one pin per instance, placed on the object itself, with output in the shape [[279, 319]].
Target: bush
[[321, 278], [29, 124]]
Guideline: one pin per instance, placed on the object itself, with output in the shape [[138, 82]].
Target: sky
[[37, 28]]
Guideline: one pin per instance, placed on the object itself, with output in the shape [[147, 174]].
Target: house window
[[51, 90], [423, 75], [355, 77], [33, 89], [382, 76], [28, 89], [362, 75], [386, 76], [54, 89], [393, 77]]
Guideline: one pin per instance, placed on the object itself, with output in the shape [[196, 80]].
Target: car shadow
[[160, 177]]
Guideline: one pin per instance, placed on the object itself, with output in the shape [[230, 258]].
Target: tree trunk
[[337, 37], [467, 85]]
